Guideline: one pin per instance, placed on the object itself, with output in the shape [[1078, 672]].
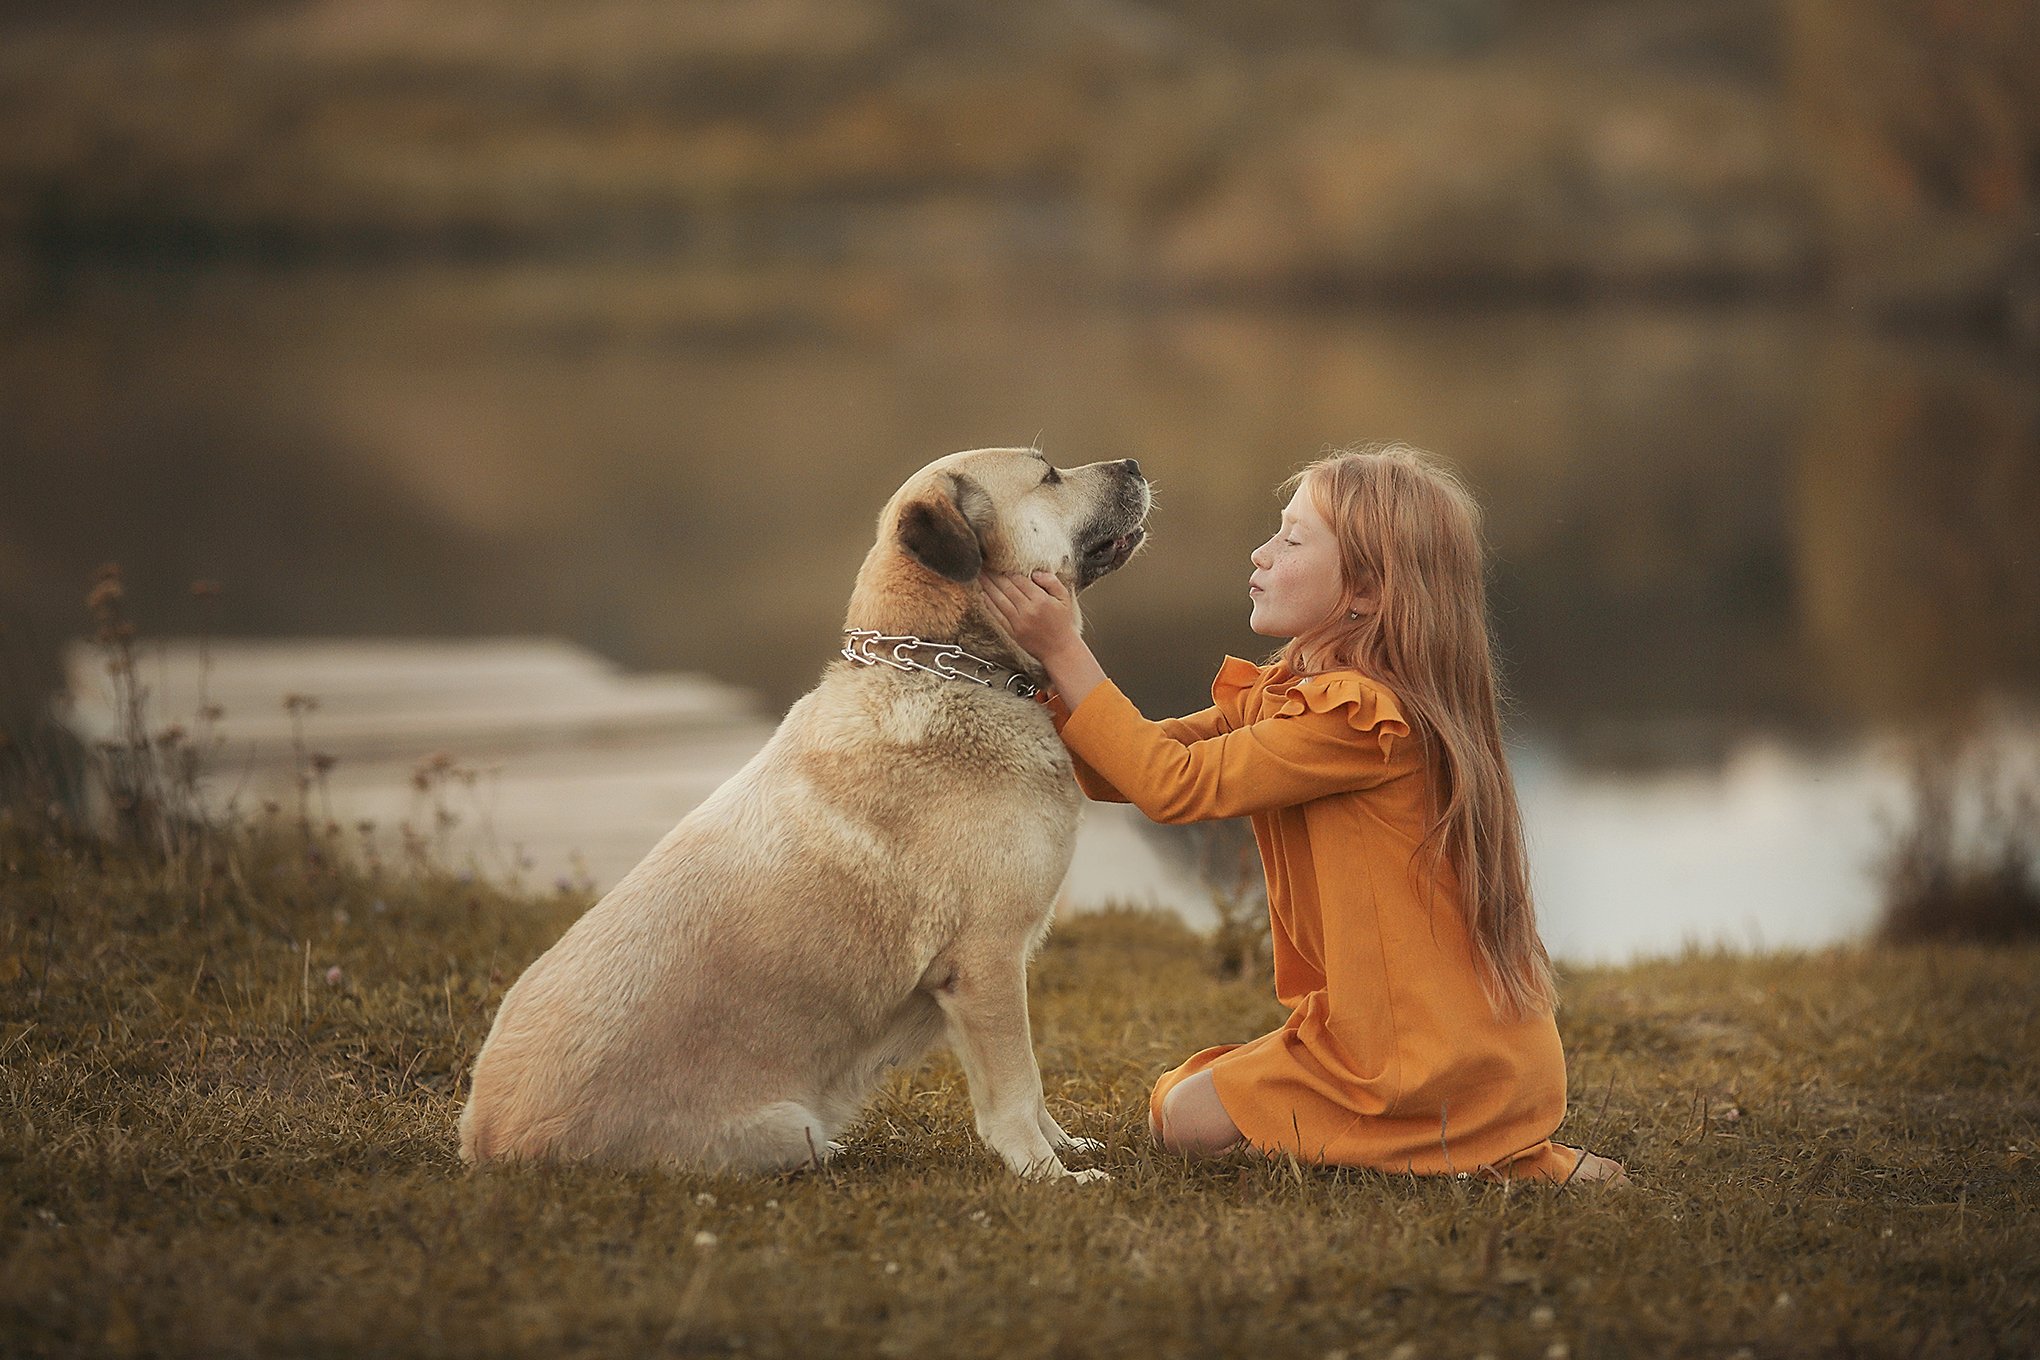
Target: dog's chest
[[944, 749]]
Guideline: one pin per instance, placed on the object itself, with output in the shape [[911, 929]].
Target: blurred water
[[1716, 531], [1773, 850]]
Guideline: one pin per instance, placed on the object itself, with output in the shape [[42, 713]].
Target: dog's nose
[[1132, 467]]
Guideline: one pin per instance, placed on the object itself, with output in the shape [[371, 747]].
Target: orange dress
[[1391, 1057]]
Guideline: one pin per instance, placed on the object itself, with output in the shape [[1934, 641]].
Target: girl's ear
[[945, 533]]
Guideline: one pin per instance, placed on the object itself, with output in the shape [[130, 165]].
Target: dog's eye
[[1053, 478]]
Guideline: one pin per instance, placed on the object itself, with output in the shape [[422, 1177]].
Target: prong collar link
[[869, 647]]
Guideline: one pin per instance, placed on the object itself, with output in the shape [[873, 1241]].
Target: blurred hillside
[[1884, 152]]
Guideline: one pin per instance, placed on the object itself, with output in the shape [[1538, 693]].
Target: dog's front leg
[[984, 1001]]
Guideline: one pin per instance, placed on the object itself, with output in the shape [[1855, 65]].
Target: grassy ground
[[213, 1144]]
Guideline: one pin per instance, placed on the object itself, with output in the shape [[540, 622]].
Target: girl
[[1368, 753]]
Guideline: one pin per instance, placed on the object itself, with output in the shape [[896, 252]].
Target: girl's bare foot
[[1605, 1170]]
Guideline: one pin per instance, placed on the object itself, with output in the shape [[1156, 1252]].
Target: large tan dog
[[875, 878]]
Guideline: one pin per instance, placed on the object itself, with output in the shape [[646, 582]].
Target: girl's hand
[[1036, 610]]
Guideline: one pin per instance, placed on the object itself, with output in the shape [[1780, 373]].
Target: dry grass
[[208, 1148], [1964, 863]]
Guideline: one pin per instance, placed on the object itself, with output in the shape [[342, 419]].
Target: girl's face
[[1295, 585]]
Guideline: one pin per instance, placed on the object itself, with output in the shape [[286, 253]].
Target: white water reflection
[[585, 768], [1775, 850]]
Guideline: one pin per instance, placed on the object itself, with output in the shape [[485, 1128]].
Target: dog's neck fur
[[897, 596]]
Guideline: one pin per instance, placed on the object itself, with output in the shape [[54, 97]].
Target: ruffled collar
[[1247, 693], [1235, 679], [1243, 690]]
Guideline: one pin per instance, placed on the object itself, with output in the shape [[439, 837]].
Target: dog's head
[[994, 510]]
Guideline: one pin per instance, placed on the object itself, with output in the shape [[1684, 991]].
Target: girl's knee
[[1194, 1122]]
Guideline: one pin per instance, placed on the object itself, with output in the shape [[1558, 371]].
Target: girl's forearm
[[1074, 672]]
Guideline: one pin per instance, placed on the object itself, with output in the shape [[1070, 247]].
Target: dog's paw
[[1051, 1169], [1084, 1147]]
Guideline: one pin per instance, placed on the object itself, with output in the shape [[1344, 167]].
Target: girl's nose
[[1257, 555]]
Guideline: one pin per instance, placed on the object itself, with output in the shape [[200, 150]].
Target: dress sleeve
[[1334, 734], [1194, 727]]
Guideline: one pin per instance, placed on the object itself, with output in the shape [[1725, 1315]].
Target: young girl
[[1369, 756]]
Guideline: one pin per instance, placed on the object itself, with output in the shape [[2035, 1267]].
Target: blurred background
[[616, 323]]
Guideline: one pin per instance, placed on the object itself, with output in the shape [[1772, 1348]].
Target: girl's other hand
[[1036, 610]]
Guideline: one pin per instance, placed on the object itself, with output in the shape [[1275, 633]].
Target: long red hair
[[1408, 529]]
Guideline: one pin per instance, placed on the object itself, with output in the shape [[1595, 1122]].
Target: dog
[[875, 879]]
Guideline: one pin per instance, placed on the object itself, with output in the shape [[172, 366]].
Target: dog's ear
[[945, 533]]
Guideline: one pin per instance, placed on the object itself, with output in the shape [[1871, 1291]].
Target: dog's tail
[[473, 1146], [470, 1138], [492, 1129]]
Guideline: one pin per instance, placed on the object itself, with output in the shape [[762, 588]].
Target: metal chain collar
[[869, 647]]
